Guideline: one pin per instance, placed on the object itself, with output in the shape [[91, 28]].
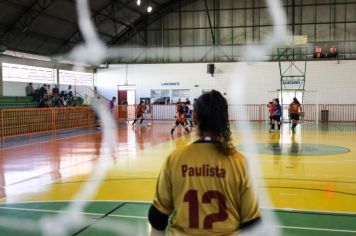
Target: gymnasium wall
[[8, 88], [335, 81]]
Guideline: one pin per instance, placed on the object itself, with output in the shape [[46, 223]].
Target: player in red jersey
[[294, 113], [181, 119], [270, 111], [140, 111]]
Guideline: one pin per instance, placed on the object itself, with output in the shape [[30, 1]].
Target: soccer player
[[190, 118], [180, 120], [141, 108], [276, 118], [204, 188], [294, 113], [270, 111]]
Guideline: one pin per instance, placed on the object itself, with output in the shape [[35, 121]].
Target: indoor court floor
[[309, 176]]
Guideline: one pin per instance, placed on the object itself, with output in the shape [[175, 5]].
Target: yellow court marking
[[322, 183]]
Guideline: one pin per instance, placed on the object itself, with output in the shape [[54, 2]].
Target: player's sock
[[279, 126], [293, 127], [172, 130]]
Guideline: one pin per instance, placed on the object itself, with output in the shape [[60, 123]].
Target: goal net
[[308, 99]]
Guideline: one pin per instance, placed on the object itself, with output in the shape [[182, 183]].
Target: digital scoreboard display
[[325, 50]]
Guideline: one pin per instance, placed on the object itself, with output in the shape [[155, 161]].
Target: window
[[75, 78], [180, 94], [26, 74], [174, 95]]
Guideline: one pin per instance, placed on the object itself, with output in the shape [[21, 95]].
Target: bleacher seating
[[7, 102]]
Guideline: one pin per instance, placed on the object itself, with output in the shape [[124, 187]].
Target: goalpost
[[309, 100]]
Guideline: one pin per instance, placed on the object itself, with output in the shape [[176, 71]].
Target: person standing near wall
[[112, 105]]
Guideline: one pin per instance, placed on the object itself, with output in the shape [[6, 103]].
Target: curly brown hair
[[211, 110]]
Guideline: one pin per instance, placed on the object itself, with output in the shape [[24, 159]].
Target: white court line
[[291, 210], [69, 201], [47, 141], [310, 161], [68, 212], [315, 229], [144, 217]]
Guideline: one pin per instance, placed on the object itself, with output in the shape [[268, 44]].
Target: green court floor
[[129, 218]]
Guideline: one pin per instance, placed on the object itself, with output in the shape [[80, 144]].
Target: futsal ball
[[148, 124]]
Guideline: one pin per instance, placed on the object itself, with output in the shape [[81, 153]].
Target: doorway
[[286, 98]]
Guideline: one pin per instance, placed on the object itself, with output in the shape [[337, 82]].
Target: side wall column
[[1, 80], [57, 71]]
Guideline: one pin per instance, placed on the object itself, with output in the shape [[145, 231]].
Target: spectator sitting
[[29, 90], [187, 101], [45, 100], [43, 91], [49, 90], [56, 100], [70, 99], [86, 101], [63, 101], [55, 89]]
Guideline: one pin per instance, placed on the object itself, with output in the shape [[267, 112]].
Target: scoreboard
[[325, 50]]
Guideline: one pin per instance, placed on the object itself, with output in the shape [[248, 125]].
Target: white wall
[[107, 80], [334, 81]]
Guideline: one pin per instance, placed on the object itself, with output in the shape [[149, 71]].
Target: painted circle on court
[[293, 149]]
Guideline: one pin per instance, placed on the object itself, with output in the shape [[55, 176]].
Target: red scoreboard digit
[[325, 50]]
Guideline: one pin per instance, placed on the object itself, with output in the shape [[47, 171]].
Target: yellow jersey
[[205, 192]]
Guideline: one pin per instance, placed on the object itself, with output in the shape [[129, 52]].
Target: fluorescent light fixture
[[138, 2], [149, 9]]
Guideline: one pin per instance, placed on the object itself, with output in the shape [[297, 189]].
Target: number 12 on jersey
[[191, 197]]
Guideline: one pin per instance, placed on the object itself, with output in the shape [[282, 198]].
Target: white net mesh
[[93, 51]]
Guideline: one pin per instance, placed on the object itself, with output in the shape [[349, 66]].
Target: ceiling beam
[[127, 5], [59, 19], [129, 20], [28, 16], [98, 16], [148, 19], [40, 35], [101, 13]]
